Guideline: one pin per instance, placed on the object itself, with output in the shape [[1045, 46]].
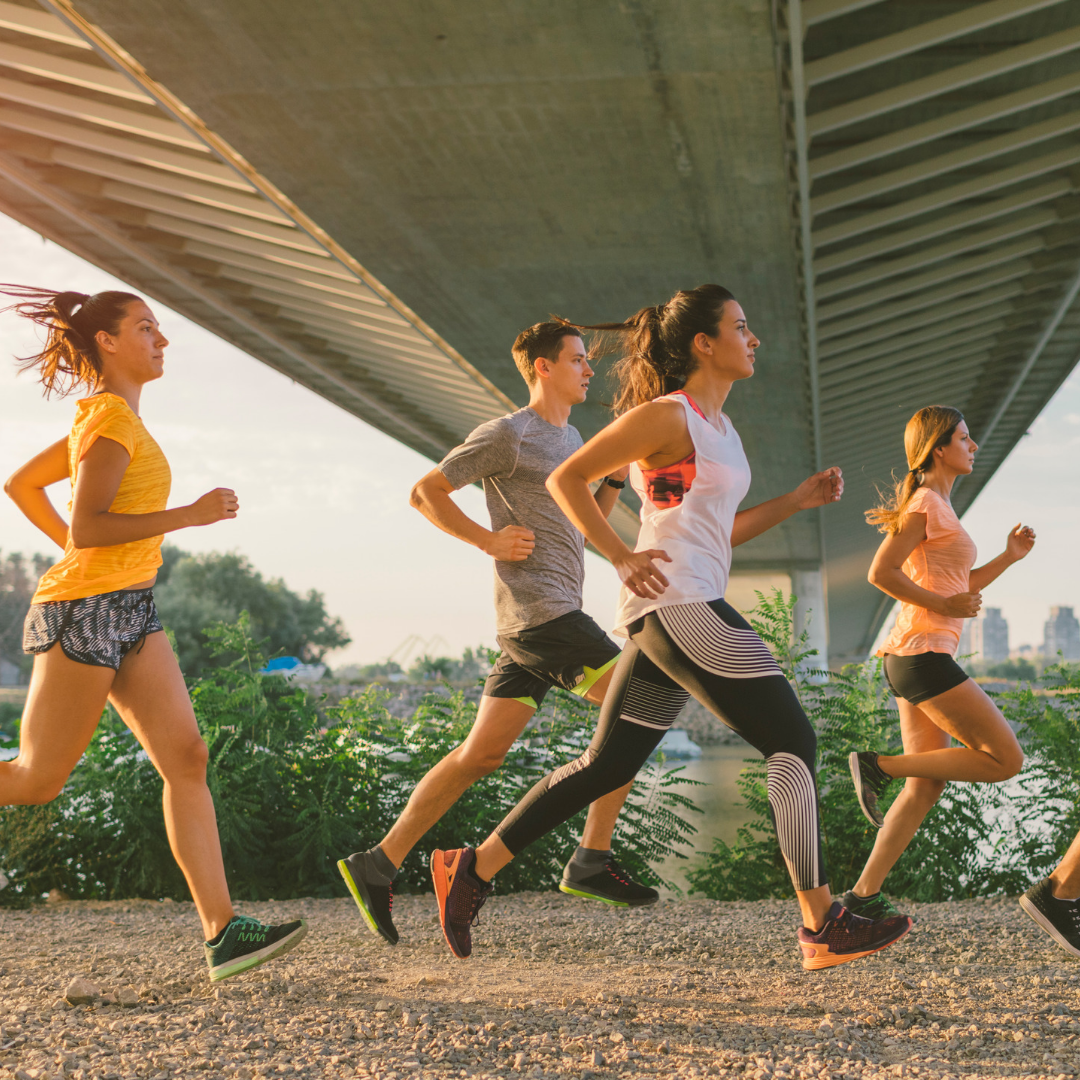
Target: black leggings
[[710, 651]]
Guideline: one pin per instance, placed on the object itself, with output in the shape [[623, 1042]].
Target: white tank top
[[687, 510]]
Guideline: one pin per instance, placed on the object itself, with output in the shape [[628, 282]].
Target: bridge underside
[[375, 198]]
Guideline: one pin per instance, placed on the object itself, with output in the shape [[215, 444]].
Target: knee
[[190, 762], [1009, 763], [922, 792], [477, 762], [41, 790]]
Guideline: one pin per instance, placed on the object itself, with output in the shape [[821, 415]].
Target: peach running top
[[941, 563], [144, 489]]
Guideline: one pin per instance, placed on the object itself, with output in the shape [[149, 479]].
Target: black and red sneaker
[[846, 937], [460, 895]]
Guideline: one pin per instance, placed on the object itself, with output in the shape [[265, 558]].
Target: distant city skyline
[[324, 497]]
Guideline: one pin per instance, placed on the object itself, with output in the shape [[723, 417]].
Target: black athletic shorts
[[570, 651], [923, 676], [98, 630]]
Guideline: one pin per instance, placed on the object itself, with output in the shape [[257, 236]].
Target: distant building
[[1061, 634], [985, 638], [988, 636]]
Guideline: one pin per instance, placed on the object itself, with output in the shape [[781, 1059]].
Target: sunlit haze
[[324, 497]]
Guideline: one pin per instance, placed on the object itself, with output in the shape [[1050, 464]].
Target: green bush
[[1042, 814], [297, 787], [955, 853]]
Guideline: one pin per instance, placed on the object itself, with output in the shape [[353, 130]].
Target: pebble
[[595, 999]]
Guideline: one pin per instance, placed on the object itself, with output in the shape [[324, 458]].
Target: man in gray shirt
[[545, 637]]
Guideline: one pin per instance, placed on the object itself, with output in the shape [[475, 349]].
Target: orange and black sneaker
[[460, 895], [846, 937]]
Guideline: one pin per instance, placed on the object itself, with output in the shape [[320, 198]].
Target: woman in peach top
[[92, 627], [925, 562]]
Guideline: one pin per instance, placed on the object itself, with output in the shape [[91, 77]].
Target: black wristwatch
[[617, 484]]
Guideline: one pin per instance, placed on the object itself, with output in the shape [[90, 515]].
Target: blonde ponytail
[[928, 429]]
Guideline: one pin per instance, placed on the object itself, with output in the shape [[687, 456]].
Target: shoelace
[[479, 899], [247, 920], [617, 872]]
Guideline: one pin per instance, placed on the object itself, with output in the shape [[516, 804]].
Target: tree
[[197, 591], [18, 580]]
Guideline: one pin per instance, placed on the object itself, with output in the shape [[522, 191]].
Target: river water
[[723, 810]]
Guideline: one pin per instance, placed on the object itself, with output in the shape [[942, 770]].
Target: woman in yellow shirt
[[97, 603]]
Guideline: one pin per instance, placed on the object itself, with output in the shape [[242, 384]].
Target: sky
[[324, 497]]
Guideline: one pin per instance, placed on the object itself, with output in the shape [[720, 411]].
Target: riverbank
[[557, 988]]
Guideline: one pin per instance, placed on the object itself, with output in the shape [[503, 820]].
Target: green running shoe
[[875, 907], [608, 882], [246, 943]]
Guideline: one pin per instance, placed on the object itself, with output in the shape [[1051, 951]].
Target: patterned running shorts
[[98, 630]]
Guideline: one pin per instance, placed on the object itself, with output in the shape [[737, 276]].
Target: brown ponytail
[[655, 343], [928, 429], [72, 321]]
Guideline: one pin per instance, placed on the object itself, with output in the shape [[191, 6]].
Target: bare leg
[[600, 822], [814, 905], [499, 722], [920, 736], [990, 753], [151, 698], [1066, 876], [63, 708]]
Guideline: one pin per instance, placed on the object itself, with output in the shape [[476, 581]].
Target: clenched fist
[[214, 506]]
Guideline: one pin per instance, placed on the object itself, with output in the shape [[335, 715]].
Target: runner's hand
[[216, 505], [820, 489], [511, 543], [964, 605], [1021, 540], [640, 575]]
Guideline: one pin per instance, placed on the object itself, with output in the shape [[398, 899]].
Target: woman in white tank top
[[680, 362]]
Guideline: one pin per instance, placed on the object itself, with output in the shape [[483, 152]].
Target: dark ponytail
[[71, 321], [655, 343]]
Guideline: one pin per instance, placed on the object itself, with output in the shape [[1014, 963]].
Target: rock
[[127, 997], [383, 1005], [57, 896], [81, 991], [596, 1059]]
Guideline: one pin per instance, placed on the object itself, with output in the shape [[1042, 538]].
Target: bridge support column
[[811, 613]]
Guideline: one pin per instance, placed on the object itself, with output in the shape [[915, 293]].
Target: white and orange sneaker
[[460, 895], [846, 937]]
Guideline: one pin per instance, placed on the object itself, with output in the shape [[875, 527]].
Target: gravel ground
[[557, 987]]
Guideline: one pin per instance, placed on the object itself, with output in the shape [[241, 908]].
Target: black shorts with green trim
[[571, 652]]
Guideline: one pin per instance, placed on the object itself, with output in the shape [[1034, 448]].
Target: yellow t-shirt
[[143, 490]]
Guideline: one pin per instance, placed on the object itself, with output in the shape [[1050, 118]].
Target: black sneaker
[[846, 937], [246, 943], [374, 898], [1059, 918], [870, 783], [874, 907], [460, 896], [608, 882]]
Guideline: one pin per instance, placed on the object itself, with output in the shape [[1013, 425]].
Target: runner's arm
[[818, 490], [1020, 541], [606, 496], [887, 574], [26, 488], [93, 524], [648, 431], [431, 496]]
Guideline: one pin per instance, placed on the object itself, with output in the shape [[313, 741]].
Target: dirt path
[[556, 987]]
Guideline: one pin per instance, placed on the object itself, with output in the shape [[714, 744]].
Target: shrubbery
[[297, 787], [980, 839]]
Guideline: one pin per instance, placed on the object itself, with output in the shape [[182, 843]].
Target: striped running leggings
[[710, 651]]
